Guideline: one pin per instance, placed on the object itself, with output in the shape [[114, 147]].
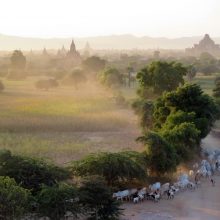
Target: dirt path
[[202, 204]]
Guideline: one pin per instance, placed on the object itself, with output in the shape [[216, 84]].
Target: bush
[[113, 167], [96, 198], [30, 173], [111, 78], [14, 200], [56, 201]]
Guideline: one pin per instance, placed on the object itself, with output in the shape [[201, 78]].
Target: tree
[[76, 78], [56, 201], [46, 84], [185, 139], [161, 76], [14, 200], [18, 60], [161, 155], [191, 98], [93, 64], [30, 173], [2, 87], [18, 63], [144, 108], [96, 198], [113, 167], [111, 77]]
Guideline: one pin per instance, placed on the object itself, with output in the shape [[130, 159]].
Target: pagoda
[[205, 45]]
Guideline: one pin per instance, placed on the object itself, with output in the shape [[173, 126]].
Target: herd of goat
[[156, 191]]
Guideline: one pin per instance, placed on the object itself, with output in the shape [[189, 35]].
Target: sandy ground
[[201, 204]]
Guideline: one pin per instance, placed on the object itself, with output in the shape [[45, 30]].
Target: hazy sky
[[80, 18]]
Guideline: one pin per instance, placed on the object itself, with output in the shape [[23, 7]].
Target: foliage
[[144, 109], [113, 167], [161, 154], [190, 98], [14, 200], [185, 139], [46, 84], [30, 173], [56, 201], [111, 77], [96, 198], [161, 76], [93, 64], [2, 87], [18, 60]]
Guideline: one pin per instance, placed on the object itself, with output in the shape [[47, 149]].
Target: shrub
[[14, 200]]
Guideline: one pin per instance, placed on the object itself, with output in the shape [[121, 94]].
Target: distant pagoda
[[73, 52], [205, 45], [73, 57], [45, 53]]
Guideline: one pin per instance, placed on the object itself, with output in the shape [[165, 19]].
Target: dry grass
[[63, 124]]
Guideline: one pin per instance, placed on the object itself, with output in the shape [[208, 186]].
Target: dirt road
[[201, 204]]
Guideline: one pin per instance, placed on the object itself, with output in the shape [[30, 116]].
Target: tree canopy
[[30, 173], [161, 76], [114, 167], [93, 64], [111, 77], [161, 155], [96, 198], [56, 201], [14, 200]]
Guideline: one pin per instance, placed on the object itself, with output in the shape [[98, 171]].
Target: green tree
[[54, 202], [14, 200], [191, 98], [161, 76], [30, 173], [161, 155], [111, 77], [185, 139], [96, 198], [114, 167]]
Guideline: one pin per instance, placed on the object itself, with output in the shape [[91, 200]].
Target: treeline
[[174, 123], [35, 188]]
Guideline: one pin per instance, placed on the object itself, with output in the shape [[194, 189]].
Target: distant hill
[[99, 42]]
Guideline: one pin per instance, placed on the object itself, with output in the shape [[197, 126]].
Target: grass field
[[63, 124]]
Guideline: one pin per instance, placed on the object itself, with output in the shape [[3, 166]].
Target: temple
[[73, 52], [73, 57], [205, 45]]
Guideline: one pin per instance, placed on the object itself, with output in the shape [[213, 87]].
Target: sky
[[85, 18]]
